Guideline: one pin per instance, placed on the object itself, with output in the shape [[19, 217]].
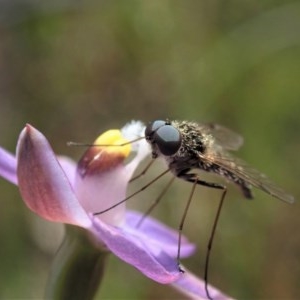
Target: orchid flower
[[60, 190]]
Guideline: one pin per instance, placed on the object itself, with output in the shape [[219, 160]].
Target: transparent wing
[[223, 136], [249, 174]]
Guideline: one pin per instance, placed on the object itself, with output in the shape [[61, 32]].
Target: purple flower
[[59, 190]]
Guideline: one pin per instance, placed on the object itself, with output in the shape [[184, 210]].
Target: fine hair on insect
[[187, 147]]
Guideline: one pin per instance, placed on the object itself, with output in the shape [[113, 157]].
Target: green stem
[[78, 267]]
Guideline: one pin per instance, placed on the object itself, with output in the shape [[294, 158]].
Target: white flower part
[[102, 190], [131, 131]]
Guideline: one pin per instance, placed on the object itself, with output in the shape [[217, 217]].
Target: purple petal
[[69, 167], [159, 234], [8, 166], [194, 287], [42, 182], [142, 254]]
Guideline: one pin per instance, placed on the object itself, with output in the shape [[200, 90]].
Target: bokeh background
[[76, 68]]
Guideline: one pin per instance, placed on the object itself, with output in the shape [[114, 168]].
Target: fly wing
[[248, 174], [223, 136]]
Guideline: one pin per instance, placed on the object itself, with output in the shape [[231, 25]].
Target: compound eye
[[167, 139], [152, 127]]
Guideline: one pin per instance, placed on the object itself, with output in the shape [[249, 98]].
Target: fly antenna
[[76, 144]]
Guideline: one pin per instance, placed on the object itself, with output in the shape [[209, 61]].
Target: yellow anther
[[113, 142]]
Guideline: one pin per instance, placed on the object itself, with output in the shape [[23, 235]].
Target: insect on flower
[[188, 146]]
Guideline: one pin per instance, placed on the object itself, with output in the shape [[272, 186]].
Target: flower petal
[[159, 234], [44, 186], [101, 191], [8, 166], [194, 287], [102, 178], [69, 167], [142, 254]]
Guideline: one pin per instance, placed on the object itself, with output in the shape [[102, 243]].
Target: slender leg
[[180, 229], [135, 193], [144, 171], [209, 246], [195, 180], [155, 203]]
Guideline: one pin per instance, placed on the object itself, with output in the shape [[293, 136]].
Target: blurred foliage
[[75, 68]]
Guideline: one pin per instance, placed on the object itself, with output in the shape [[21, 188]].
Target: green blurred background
[[76, 68]]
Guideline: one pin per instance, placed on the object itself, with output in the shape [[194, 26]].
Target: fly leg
[[144, 171], [194, 178], [155, 202], [132, 195]]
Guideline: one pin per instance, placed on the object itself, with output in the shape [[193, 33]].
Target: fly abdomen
[[246, 190], [243, 185]]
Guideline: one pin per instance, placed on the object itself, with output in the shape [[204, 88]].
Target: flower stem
[[78, 267]]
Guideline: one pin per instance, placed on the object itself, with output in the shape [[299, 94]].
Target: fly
[[188, 146]]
